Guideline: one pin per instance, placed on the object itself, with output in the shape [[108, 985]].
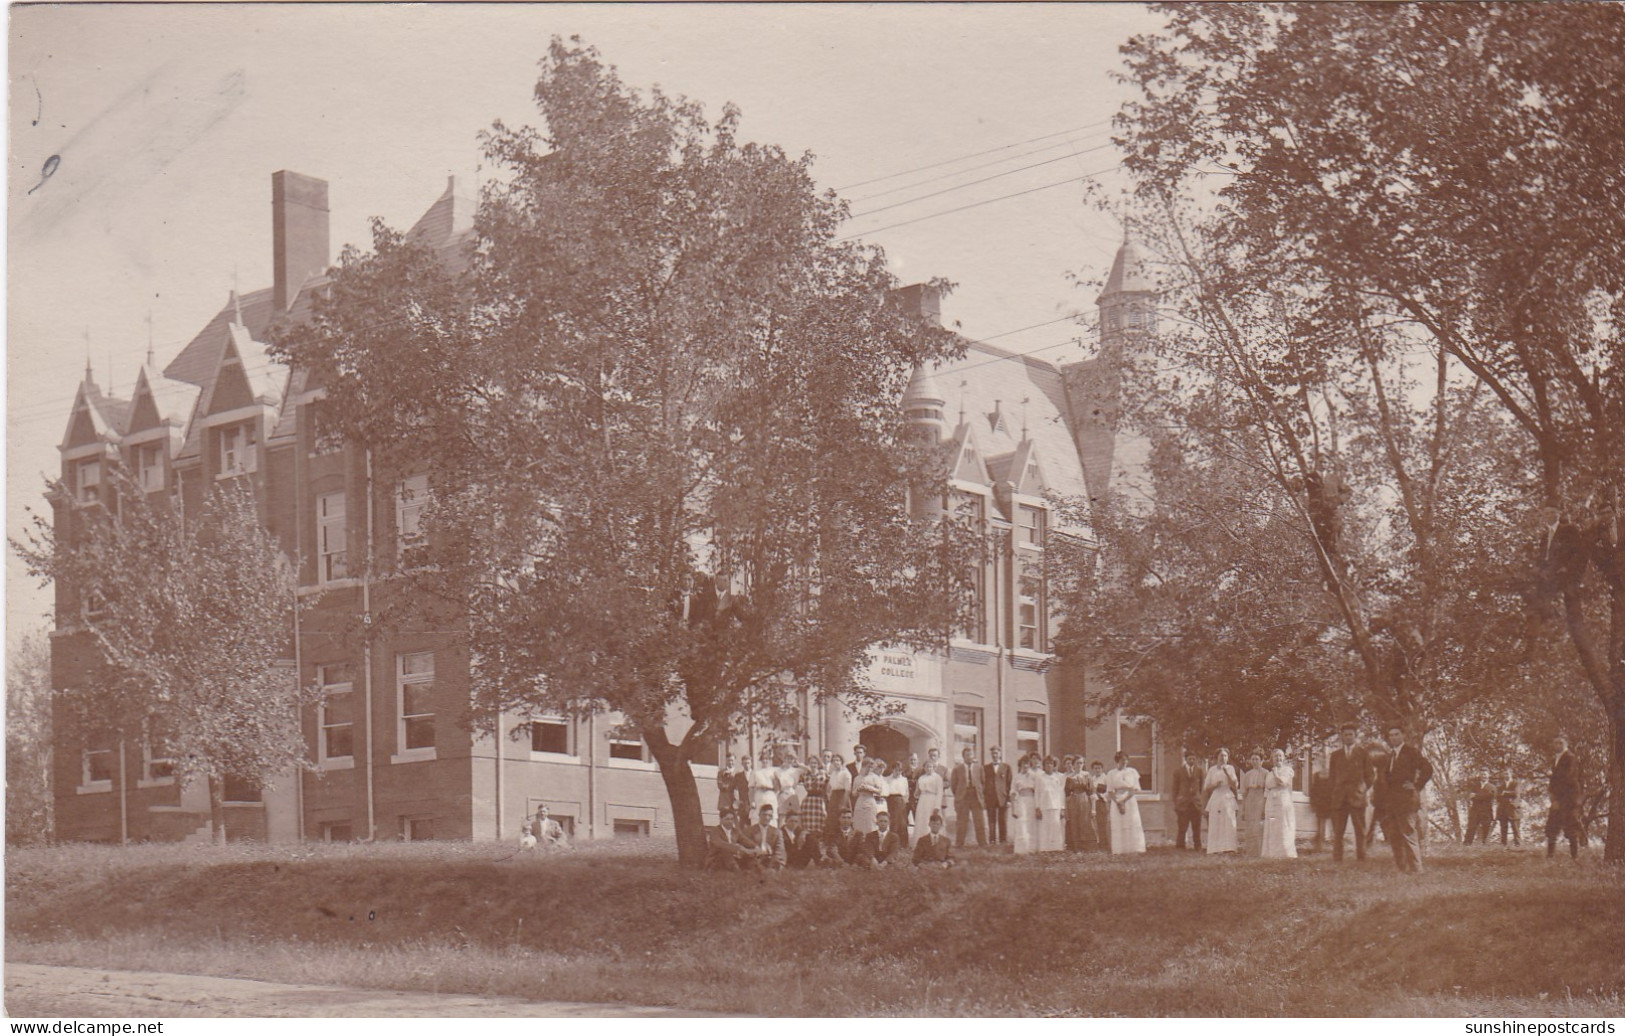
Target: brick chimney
[[299, 238]]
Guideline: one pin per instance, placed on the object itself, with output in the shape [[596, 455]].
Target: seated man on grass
[[885, 846], [544, 833], [932, 848], [801, 847], [767, 841], [727, 848], [846, 848]]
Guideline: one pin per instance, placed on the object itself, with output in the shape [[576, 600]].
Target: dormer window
[[87, 481], [237, 449], [149, 467], [1031, 521]]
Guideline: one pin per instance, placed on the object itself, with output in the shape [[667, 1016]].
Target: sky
[[166, 122]]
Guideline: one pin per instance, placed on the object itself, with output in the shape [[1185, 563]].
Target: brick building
[[393, 753]]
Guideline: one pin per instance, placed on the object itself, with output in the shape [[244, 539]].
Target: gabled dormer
[[95, 426], [965, 460], [240, 398], [159, 411]]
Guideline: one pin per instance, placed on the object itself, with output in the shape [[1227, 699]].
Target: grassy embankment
[[1482, 933]]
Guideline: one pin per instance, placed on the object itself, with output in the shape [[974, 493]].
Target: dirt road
[[45, 991]]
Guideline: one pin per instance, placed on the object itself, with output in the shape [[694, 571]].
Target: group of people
[[1495, 801], [1250, 812], [827, 812]]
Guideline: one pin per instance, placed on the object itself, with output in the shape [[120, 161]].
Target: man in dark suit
[[1350, 780], [1399, 800], [969, 800], [1509, 807], [727, 848], [885, 846], [932, 848], [848, 848], [1564, 815], [767, 841], [1188, 802], [996, 782], [802, 848], [855, 767]]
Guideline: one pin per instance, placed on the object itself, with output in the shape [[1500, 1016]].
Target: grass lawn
[[1482, 933]]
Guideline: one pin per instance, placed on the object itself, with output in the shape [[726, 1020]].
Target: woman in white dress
[[764, 788], [1280, 823], [868, 797], [1122, 789], [1050, 808], [928, 791], [790, 790], [1220, 787], [1023, 799]]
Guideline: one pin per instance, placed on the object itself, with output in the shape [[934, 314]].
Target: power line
[[973, 154], [978, 204], [985, 179], [961, 172]]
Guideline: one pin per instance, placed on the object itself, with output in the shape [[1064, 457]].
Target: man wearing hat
[[1350, 777]]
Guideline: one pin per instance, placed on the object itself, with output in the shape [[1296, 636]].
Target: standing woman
[[1023, 801], [840, 792], [928, 786], [789, 773], [1103, 808], [1280, 821], [1251, 828], [815, 806], [764, 787], [1123, 788], [1050, 801], [1080, 808], [868, 797], [1220, 787], [897, 800]]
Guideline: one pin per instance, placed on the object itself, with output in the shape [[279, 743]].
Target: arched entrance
[[895, 739]]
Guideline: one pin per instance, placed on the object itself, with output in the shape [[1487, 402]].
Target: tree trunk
[[684, 793], [1614, 851], [217, 810]]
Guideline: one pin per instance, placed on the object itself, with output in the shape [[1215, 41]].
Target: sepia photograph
[[748, 510]]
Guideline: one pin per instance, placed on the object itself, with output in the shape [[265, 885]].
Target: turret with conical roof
[[1128, 303]]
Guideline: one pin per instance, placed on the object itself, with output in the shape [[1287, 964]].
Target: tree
[[29, 805], [660, 412], [190, 619], [1461, 175]]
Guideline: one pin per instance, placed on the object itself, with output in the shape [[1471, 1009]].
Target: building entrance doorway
[[882, 742]]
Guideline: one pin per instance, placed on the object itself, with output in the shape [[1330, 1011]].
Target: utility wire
[[973, 183], [978, 204], [973, 154], [961, 172]]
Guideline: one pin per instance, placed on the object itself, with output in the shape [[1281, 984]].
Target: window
[[87, 481], [155, 770], [1136, 739], [1032, 631], [240, 789], [336, 712], [631, 828], [417, 829], [237, 455], [552, 736], [97, 770], [330, 537], [628, 748], [972, 510], [1029, 734], [1031, 520], [415, 694], [337, 831], [324, 437], [411, 498], [967, 734], [149, 467]]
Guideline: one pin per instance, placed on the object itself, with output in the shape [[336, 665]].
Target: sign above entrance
[[897, 670]]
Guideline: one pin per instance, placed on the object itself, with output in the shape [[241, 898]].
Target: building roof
[[447, 226], [1131, 271], [108, 415]]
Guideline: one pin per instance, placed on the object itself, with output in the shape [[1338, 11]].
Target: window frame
[[411, 506], [148, 762], [1040, 734], [155, 452], [327, 522], [569, 752], [645, 760], [93, 467], [327, 759], [89, 785], [638, 827], [978, 724], [404, 679], [247, 451]]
